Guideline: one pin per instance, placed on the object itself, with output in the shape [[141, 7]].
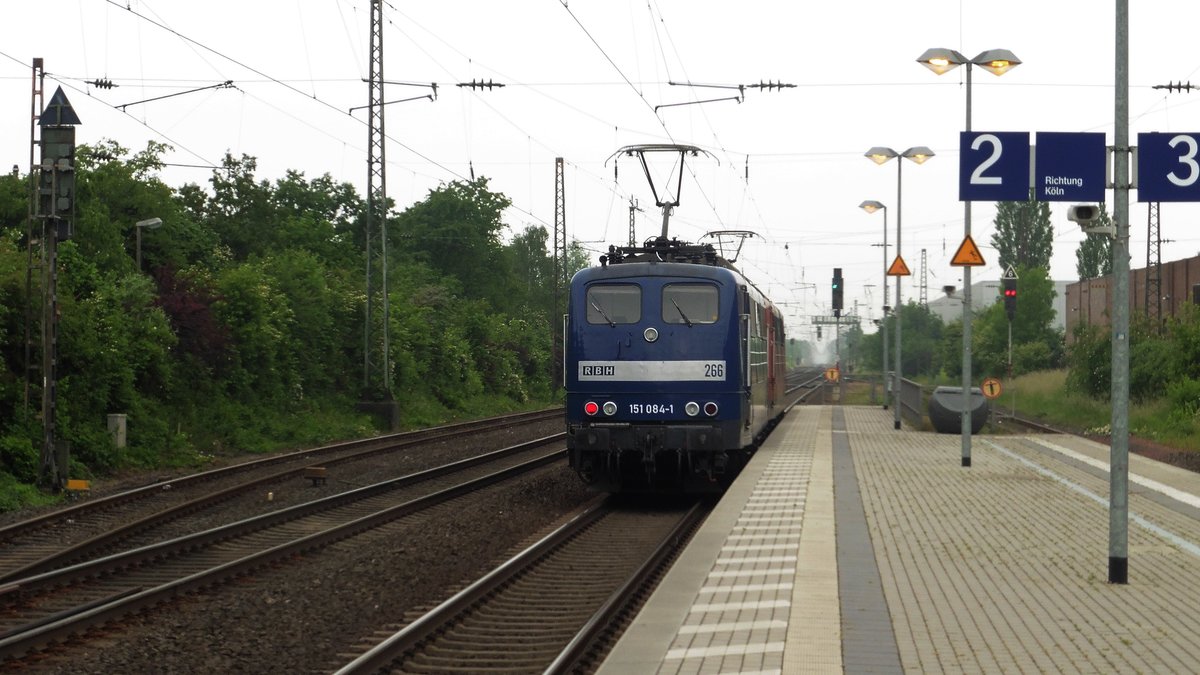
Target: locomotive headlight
[[591, 408], [610, 408], [651, 334], [710, 409], [691, 408]]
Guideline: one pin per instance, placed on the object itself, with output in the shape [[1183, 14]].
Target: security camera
[[1085, 215]]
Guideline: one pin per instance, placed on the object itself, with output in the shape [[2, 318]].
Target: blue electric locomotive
[[674, 369]]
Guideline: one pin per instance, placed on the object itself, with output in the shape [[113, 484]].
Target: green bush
[[19, 458], [1153, 364], [16, 494], [1089, 361]]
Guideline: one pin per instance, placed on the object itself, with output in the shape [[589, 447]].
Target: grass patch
[[17, 495], [1044, 396], [858, 392]]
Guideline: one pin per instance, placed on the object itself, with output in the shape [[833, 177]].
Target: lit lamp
[[997, 62], [872, 206], [879, 155], [151, 223]]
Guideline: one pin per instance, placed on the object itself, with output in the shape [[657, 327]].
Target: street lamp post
[[152, 223], [879, 155], [998, 62], [871, 206]]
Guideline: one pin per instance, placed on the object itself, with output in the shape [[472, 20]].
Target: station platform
[[848, 546]]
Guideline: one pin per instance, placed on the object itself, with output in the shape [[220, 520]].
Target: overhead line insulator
[[1176, 86], [480, 84], [770, 86]]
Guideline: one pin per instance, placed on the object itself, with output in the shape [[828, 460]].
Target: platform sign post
[[1118, 473], [993, 166]]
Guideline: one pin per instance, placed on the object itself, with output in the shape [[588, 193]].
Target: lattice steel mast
[[34, 244], [560, 263], [924, 279], [1153, 266], [376, 368]]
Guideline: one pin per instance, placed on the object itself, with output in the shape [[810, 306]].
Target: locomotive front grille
[[651, 457]]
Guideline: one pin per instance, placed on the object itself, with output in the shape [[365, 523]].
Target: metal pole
[[884, 327], [1010, 376], [899, 362], [966, 320], [837, 342], [139, 247], [1118, 511]]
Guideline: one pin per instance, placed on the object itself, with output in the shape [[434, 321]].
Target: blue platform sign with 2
[[1168, 167], [1069, 167], [993, 166]]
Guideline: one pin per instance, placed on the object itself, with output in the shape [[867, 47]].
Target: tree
[[456, 232], [1024, 236], [240, 209], [921, 340], [114, 191], [1036, 343], [1093, 258]]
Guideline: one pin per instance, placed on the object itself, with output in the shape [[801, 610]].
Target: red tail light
[[591, 408]]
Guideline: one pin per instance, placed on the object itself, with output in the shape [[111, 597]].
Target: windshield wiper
[[680, 309], [596, 307]]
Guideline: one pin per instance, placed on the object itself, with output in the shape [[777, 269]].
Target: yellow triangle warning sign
[[968, 254], [898, 268]]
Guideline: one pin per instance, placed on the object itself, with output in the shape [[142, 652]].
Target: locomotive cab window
[[690, 303], [614, 303]]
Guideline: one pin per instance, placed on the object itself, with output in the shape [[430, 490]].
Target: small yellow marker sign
[[831, 374], [898, 268], [968, 254], [991, 387]]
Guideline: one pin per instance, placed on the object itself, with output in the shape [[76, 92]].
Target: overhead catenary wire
[[277, 81]]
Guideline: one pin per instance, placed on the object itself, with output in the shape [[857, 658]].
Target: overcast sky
[[583, 78]]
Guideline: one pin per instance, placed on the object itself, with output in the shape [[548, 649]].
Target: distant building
[[1178, 285], [984, 293]]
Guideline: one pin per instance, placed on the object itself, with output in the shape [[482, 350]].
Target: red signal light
[[1010, 292]]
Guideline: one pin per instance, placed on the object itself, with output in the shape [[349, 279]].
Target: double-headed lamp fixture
[[941, 60], [879, 154]]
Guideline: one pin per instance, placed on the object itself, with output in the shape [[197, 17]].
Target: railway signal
[[1010, 296], [837, 289]]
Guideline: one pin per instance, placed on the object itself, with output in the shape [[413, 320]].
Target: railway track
[[96, 527], [43, 610], [802, 384], [548, 608]]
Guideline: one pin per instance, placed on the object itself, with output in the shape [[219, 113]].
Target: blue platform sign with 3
[[1168, 167], [993, 166]]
